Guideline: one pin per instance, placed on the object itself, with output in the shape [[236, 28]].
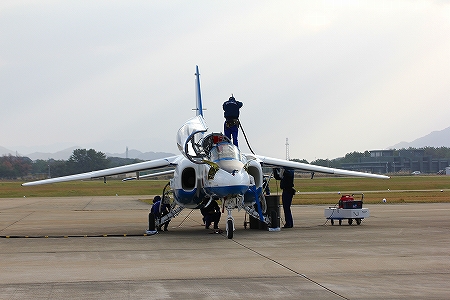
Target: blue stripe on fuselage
[[223, 191], [188, 197]]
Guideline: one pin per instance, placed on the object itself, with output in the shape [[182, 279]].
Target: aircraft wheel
[[151, 222], [340, 222], [358, 221], [230, 229], [332, 222], [350, 221]]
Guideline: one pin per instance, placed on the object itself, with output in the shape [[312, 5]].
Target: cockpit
[[220, 150], [224, 151], [213, 148]]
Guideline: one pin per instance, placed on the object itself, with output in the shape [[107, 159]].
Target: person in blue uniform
[[231, 114], [160, 211], [286, 177], [211, 214]]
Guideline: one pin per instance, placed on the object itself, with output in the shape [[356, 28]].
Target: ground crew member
[[286, 177], [159, 211], [231, 114], [211, 214]]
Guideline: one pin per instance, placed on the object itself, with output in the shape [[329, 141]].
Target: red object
[[345, 198], [217, 139]]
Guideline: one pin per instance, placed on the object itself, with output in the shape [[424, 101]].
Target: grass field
[[320, 190]]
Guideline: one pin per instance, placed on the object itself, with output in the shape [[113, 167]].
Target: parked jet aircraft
[[209, 167]]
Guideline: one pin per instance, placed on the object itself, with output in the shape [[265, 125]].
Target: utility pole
[[287, 149]]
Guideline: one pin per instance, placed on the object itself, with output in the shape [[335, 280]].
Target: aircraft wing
[[275, 162], [142, 166]]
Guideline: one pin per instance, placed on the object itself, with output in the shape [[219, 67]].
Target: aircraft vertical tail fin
[[199, 104]]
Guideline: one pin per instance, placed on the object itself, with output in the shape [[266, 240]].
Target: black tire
[[350, 221], [151, 222], [358, 221], [230, 229], [332, 222], [340, 222]]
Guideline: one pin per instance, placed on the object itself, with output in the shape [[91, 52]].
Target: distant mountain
[[434, 139], [4, 151], [66, 153], [60, 155], [140, 155]]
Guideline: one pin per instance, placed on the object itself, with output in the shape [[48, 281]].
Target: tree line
[[82, 160]]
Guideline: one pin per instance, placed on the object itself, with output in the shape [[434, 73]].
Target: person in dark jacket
[[211, 214], [286, 177], [231, 114], [160, 211]]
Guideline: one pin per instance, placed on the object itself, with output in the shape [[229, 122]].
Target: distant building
[[394, 161]]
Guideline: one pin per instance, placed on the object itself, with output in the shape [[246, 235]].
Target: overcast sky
[[331, 76]]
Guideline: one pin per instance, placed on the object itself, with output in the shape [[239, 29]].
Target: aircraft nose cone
[[231, 166], [225, 183]]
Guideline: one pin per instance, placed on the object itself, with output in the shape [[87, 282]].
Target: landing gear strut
[[230, 204]]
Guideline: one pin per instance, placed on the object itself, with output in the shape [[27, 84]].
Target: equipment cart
[[349, 209]]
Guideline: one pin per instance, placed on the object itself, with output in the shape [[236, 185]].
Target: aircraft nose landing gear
[[230, 204], [230, 228]]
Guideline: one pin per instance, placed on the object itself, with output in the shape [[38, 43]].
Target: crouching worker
[[159, 211], [211, 213]]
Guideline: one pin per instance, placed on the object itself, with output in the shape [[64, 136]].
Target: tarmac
[[96, 248]]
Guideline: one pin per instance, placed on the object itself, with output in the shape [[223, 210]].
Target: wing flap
[[142, 166], [149, 175]]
